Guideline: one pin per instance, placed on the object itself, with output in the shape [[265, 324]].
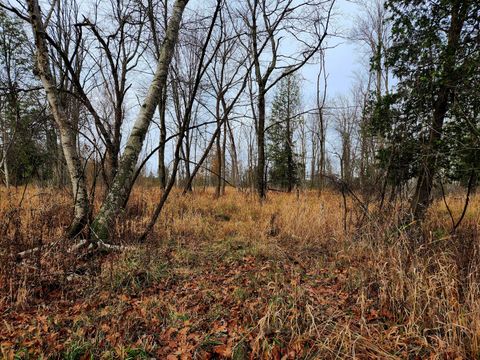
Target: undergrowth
[[295, 277]]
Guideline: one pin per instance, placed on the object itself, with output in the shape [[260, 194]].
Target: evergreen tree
[[435, 56], [285, 167], [21, 137]]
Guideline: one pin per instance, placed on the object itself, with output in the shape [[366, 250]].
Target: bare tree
[[347, 116], [119, 51], [158, 27], [122, 183], [227, 75], [202, 66], [113, 51], [184, 68], [67, 136], [373, 31], [227, 79], [268, 24], [13, 68], [320, 139]]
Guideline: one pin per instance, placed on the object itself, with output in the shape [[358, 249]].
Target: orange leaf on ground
[[223, 350]]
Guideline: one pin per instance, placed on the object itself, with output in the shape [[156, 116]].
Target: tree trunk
[[218, 154], [199, 164], [120, 189], [4, 163], [6, 173], [261, 183], [162, 171], [110, 167], [67, 137], [322, 137], [290, 164], [162, 106], [224, 159], [250, 178], [218, 167], [422, 197], [235, 170], [313, 159], [186, 162]]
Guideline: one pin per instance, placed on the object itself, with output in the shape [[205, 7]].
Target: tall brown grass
[[381, 288]]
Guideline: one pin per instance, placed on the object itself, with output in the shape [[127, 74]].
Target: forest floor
[[294, 278]]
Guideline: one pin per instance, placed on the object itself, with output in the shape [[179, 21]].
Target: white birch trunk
[[120, 188], [67, 137]]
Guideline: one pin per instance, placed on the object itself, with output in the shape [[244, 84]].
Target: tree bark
[[261, 183], [321, 166], [162, 106], [120, 189], [233, 153], [290, 161], [422, 197], [218, 168], [162, 171], [67, 137], [186, 157], [6, 172], [224, 159]]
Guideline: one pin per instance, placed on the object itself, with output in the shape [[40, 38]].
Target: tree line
[[89, 93]]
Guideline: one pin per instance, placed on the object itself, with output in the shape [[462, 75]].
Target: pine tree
[[285, 166]]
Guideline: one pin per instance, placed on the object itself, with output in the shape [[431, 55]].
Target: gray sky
[[343, 59]]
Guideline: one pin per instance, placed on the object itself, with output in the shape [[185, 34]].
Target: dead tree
[[117, 53]]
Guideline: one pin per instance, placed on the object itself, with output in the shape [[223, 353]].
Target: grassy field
[[294, 278]]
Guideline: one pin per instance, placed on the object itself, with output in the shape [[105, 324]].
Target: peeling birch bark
[[67, 136], [120, 188]]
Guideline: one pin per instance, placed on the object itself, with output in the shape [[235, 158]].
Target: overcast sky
[[343, 60]]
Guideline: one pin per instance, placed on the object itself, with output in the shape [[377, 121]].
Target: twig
[[23, 195], [467, 200], [446, 205]]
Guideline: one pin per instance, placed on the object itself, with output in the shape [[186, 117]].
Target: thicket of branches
[[91, 93]]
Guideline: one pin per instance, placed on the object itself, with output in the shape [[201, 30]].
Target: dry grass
[[232, 278]]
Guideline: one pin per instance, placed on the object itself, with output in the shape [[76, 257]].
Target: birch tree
[[67, 136], [120, 188]]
